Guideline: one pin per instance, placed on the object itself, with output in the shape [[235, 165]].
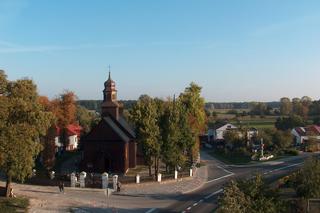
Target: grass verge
[[12, 205], [231, 158]]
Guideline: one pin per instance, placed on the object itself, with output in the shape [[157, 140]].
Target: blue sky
[[237, 50]]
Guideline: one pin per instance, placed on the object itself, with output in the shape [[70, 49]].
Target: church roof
[[117, 129]]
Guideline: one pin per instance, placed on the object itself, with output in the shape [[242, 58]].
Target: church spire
[[110, 105]]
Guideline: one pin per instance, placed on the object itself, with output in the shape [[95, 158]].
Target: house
[[73, 132], [251, 133], [111, 145], [217, 134], [302, 134]]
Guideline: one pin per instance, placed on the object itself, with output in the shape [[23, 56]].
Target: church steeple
[[110, 92], [110, 105]]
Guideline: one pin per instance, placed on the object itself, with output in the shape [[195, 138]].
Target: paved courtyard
[[133, 198]]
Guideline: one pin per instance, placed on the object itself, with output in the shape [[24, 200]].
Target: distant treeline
[[96, 104], [127, 104], [239, 105]]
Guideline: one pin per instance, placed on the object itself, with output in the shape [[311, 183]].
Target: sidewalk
[[136, 197], [169, 187]]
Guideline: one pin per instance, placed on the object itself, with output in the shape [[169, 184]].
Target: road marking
[[151, 210], [281, 168], [219, 178], [227, 171], [214, 193]]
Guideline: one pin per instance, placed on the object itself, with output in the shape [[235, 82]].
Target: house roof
[[309, 130], [227, 126], [72, 129]]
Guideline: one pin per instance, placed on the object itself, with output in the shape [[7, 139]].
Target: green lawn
[[231, 159], [11, 205]]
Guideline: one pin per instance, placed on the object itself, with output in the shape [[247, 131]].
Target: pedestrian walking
[[118, 186], [61, 186]]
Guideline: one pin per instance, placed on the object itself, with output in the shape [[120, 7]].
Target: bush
[[293, 152]]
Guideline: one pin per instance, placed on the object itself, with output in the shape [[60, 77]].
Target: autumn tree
[[23, 121], [194, 107], [64, 109]]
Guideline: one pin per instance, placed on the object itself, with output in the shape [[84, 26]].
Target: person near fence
[[61, 186], [118, 186]]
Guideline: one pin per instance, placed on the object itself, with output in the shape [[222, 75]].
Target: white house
[[73, 134], [218, 133]]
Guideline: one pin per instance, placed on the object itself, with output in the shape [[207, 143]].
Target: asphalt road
[[205, 199]]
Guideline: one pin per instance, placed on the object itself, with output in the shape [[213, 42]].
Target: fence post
[[175, 174], [191, 172], [105, 180], [159, 177], [83, 176], [138, 178], [115, 181], [73, 179]]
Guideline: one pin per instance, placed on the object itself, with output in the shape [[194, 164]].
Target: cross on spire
[[109, 67]]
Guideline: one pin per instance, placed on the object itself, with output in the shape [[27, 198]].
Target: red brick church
[[110, 146]]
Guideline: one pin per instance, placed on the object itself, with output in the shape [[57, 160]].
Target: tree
[[282, 139], [49, 148], [64, 109], [259, 109], [144, 117], [234, 200], [23, 122], [252, 196], [86, 118], [174, 136], [287, 123], [285, 106], [194, 106], [307, 180], [297, 106], [306, 103], [234, 140]]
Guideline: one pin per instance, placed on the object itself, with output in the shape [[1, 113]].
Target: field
[[258, 122]]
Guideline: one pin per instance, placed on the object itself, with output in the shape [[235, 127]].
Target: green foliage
[[13, 205], [193, 106], [307, 180], [287, 123], [144, 116], [234, 139], [86, 118], [233, 200], [23, 122], [285, 106], [169, 129], [251, 196]]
